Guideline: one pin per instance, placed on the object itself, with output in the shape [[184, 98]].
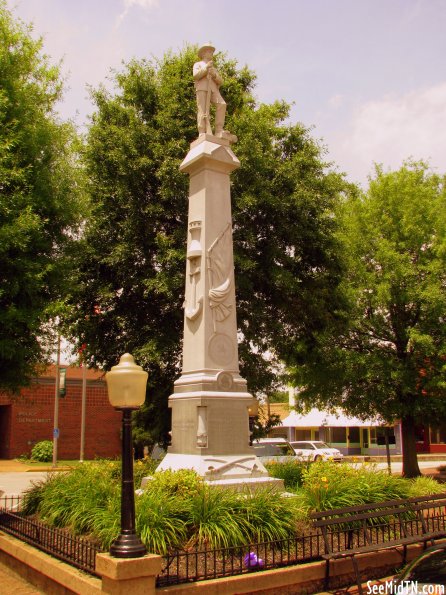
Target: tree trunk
[[410, 460]]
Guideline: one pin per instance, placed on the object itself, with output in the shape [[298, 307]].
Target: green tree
[[131, 260], [279, 396], [39, 200], [390, 357], [261, 426]]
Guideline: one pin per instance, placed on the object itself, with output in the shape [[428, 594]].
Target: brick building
[[28, 417]]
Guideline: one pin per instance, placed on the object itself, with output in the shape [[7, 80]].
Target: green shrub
[[270, 515], [72, 499], [290, 471], [142, 468], [178, 509], [42, 451], [33, 496], [329, 485], [424, 486], [161, 522], [213, 517], [183, 483]]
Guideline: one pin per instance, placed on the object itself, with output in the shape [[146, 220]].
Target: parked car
[[273, 449], [315, 450], [426, 574]]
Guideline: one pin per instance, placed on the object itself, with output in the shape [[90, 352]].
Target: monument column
[[210, 423]]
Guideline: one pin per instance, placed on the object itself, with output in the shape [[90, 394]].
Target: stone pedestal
[[125, 576], [210, 422]]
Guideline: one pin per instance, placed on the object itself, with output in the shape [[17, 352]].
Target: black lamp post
[[126, 384], [253, 411]]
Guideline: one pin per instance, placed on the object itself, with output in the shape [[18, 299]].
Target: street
[[397, 467]]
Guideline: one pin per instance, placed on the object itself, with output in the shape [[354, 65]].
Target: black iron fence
[[203, 563], [12, 503], [76, 551]]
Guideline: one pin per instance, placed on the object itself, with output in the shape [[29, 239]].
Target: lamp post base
[[128, 545]]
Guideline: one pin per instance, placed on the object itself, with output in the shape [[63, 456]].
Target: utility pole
[[56, 403], [84, 402]]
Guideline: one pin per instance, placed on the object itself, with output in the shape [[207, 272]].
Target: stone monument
[[210, 403]]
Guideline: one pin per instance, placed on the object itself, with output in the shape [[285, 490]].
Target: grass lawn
[[49, 465]]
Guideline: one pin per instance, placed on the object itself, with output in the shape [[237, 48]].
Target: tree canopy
[[389, 357], [40, 199], [130, 262]]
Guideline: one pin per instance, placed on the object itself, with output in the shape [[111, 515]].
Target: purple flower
[[252, 561]]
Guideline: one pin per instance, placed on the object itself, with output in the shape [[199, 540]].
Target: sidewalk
[[12, 466], [18, 476], [15, 466]]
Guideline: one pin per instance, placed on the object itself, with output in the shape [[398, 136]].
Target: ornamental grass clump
[[162, 510], [328, 485], [214, 519], [182, 483], [161, 522], [33, 496], [177, 509], [270, 515], [76, 498], [290, 471], [424, 486]]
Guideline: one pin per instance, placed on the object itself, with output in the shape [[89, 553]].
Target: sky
[[368, 76]]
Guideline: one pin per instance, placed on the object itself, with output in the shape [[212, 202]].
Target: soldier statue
[[207, 82]]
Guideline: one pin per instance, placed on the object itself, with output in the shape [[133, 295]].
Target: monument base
[[235, 471], [216, 467], [210, 432], [253, 483]]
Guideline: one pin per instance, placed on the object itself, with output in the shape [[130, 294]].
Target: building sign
[[30, 417], [62, 376]]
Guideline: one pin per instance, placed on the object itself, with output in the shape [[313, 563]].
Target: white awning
[[313, 418], [316, 419]]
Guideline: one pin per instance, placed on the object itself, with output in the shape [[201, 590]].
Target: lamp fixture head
[[126, 384]]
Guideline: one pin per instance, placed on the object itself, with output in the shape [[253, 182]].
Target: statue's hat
[[207, 46]]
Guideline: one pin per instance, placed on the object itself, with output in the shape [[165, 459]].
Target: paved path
[[17, 476], [397, 466], [15, 483]]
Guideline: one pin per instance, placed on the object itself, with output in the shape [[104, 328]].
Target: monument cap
[[204, 47]]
